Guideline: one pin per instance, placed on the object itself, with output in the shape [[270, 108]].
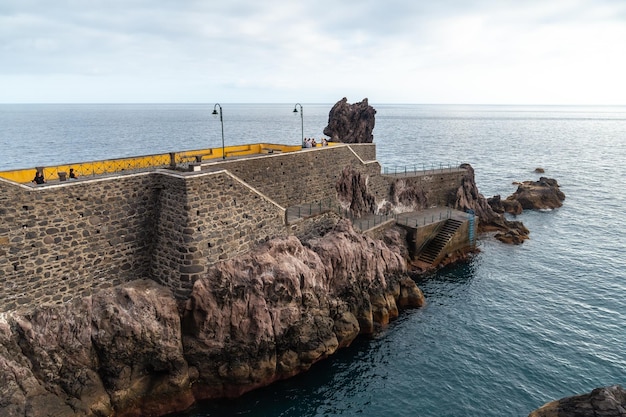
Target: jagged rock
[[353, 194], [468, 198], [117, 352], [405, 196], [505, 206], [605, 402], [125, 351], [351, 123], [276, 311], [538, 195]]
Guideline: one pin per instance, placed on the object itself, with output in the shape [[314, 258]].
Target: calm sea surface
[[513, 328]]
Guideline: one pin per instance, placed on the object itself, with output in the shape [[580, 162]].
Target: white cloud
[[548, 51]]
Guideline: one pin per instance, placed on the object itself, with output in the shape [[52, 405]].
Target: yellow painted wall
[[109, 166]]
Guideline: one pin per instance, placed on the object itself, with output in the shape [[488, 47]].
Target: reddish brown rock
[[544, 194], [351, 123], [274, 312], [353, 194], [505, 206], [605, 402], [117, 353], [468, 198]]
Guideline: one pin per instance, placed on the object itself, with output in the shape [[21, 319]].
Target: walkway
[[370, 221]]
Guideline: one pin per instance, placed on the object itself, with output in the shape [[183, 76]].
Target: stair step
[[433, 249]]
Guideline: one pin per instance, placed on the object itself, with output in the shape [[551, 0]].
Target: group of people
[[39, 178], [311, 143]]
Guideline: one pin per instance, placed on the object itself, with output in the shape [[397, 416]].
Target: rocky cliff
[[133, 350]]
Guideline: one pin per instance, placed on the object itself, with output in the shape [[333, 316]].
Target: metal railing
[[421, 169], [367, 221]]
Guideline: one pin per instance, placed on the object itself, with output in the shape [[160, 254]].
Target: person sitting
[[73, 174], [313, 143], [39, 178], [324, 142]]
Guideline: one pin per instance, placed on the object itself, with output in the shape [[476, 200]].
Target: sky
[[563, 52]]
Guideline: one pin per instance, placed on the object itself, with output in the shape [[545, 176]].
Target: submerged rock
[[351, 123], [605, 402]]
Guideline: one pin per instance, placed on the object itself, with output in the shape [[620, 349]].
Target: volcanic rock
[[467, 198], [538, 195], [132, 350], [274, 312], [351, 123], [605, 402], [353, 194], [505, 206]]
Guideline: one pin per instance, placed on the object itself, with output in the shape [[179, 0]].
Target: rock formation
[[538, 195], [468, 198], [352, 193], [605, 402], [133, 351], [505, 206], [351, 123]]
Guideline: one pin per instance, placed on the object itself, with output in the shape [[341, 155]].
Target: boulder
[[605, 402], [351, 123], [538, 195]]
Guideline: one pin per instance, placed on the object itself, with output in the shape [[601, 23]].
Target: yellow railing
[[137, 163]]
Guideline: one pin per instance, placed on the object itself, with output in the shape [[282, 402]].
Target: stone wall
[[64, 240], [301, 177], [206, 218], [60, 241]]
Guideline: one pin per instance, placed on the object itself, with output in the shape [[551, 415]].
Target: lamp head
[[214, 112], [295, 110]]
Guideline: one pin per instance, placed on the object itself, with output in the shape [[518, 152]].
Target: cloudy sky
[[313, 51]]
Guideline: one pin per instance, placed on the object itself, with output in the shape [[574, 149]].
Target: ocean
[[501, 334]]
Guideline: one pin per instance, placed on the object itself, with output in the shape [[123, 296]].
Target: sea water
[[514, 327]]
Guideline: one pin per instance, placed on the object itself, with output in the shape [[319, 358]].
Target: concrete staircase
[[431, 252]]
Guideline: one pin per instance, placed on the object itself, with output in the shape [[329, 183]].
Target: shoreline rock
[[606, 402], [132, 350], [544, 194], [469, 198]]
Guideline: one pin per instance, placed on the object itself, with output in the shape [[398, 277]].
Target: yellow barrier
[[173, 159]]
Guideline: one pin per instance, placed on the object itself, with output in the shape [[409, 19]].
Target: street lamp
[[295, 110], [221, 120]]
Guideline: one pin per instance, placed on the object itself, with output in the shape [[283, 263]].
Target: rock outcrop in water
[[132, 351], [544, 194], [469, 198], [351, 123], [601, 402]]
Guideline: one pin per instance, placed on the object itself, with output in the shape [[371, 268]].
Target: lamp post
[[221, 120], [295, 110]]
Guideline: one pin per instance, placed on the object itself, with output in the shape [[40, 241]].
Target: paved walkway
[[369, 221]]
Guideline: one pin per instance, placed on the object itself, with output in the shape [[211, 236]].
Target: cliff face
[[132, 351]]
